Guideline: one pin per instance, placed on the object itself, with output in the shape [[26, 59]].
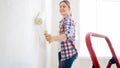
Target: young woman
[[68, 52]]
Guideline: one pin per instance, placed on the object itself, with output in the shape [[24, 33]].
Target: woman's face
[[64, 9]]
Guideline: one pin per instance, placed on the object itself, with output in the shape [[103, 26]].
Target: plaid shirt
[[67, 26]]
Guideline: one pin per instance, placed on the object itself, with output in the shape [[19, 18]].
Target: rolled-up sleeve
[[69, 29]]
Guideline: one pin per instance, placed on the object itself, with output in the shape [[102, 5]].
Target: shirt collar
[[64, 18]]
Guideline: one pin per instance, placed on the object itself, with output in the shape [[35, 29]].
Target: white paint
[[19, 43]]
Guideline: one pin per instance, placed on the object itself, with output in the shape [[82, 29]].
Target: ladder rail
[[91, 50]]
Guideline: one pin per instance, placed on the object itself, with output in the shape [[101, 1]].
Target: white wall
[[87, 23], [19, 41], [100, 16], [108, 21]]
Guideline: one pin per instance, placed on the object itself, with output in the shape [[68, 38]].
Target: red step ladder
[[113, 60]]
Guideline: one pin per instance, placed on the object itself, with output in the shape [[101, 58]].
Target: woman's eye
[[63, 6], [60, 6]]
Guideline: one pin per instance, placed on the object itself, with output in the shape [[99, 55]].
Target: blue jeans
[[67, 63]]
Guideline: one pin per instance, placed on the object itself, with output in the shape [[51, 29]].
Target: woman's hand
[[48, 37]]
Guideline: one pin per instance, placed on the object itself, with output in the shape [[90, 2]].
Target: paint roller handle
[[46, 33]]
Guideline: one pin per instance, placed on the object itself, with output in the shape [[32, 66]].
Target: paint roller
[[39, 21]]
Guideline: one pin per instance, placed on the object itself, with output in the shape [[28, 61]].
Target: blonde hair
[[67, 3]]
